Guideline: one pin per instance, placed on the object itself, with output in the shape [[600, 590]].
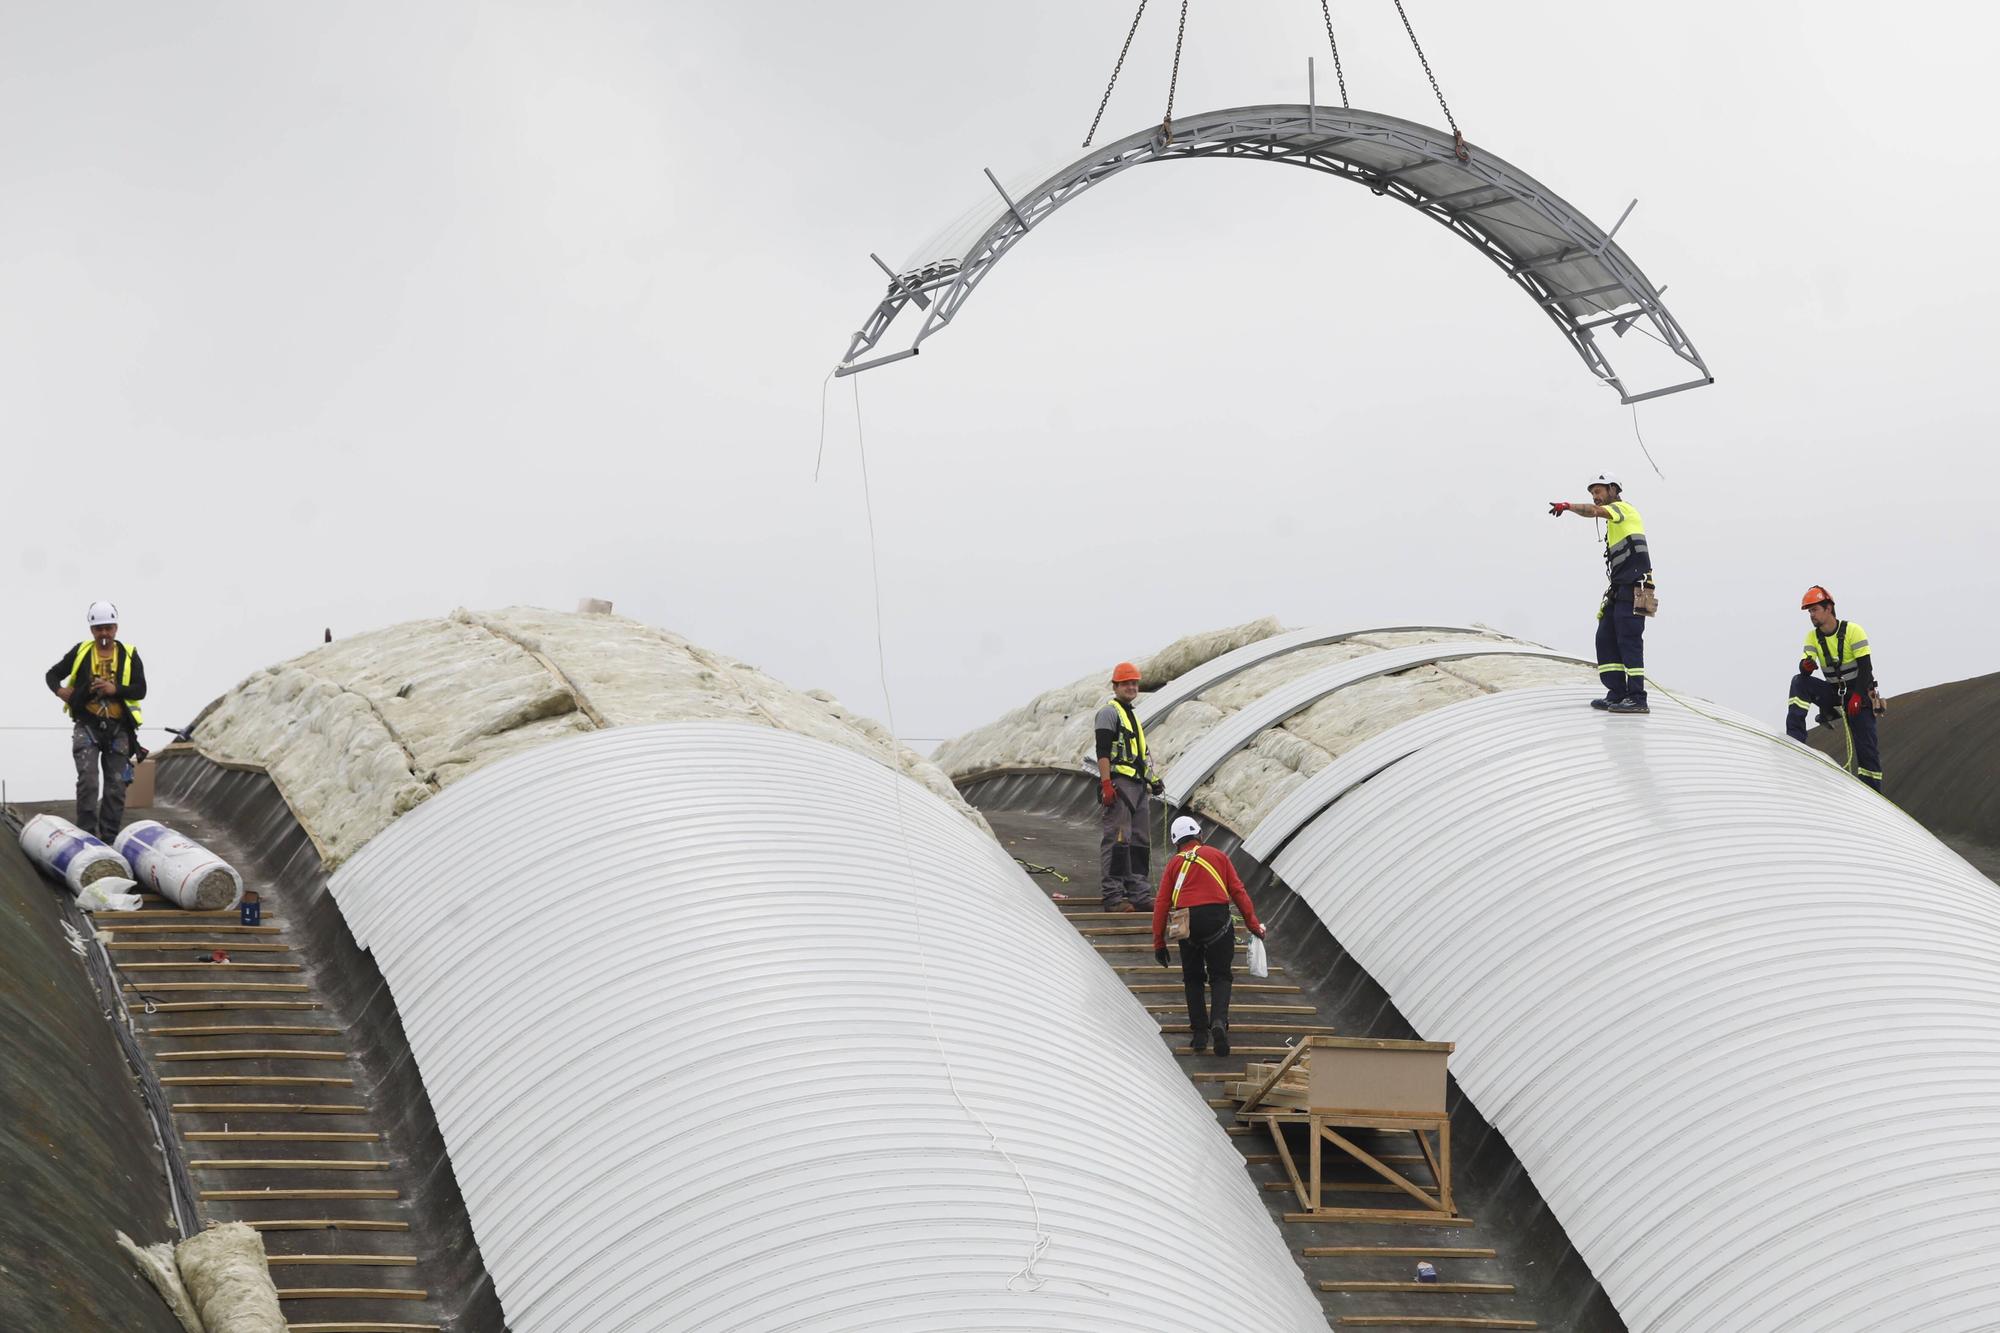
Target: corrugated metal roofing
[[683, 998], [1738, 1016], [1200, 760], [1155, 706]]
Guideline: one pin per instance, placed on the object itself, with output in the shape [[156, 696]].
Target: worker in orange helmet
[[1126, 785], [1839, 650]]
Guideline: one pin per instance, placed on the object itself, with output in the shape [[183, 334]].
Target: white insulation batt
[[228, 1276], [363, 729], [1054, 729]]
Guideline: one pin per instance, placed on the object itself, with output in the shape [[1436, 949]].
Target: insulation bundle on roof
[[70, 854], [177, 867]]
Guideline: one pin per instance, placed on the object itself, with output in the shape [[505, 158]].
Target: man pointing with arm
[[1628, 562]]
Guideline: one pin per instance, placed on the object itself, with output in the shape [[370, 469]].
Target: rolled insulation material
[[70, 854], [179, 868], [228, 1276]]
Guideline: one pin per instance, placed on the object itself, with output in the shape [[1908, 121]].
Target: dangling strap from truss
[[1457, 135], [1334, 42], [1106, 99]]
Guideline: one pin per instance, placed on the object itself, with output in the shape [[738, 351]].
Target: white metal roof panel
[[1151, 708], [1201, 759], [706, 1011], [1738, 1016]]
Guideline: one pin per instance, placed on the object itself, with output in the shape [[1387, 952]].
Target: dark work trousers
[[1206, 955], [1621, 647], [1864, 751], [1124, 849], [100, 749]]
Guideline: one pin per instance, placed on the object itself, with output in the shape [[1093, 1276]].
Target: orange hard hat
[[1814, 596], [1123, 672]]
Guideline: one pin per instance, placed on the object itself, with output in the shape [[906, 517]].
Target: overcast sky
[[341, 314]]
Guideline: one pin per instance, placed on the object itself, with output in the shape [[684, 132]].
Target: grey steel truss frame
[[1384, 153]]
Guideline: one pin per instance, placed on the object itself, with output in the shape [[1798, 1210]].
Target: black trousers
[[1621, 645], [100, 750], [1206, 955]]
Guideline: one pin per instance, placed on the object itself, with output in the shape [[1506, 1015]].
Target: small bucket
[[253, 911]]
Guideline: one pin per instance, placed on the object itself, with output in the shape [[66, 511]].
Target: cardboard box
[[1377, 1076], [139, 791]]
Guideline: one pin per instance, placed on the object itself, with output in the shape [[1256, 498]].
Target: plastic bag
[[109, 895], [1260, 963]]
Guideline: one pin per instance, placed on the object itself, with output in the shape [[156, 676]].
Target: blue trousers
[[1864, 752], [1621, 648]]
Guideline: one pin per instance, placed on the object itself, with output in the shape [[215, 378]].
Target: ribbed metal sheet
[[1155, 706], [1201, 759], [1738, 1016], [683, 997]]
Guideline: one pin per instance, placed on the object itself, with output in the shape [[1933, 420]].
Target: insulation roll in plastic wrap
[[70, 854], [177, 867]]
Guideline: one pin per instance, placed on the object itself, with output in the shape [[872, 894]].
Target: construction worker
[[1201, 879], [1126, 785], [1839, 650], [101, 682], [1621, 626]]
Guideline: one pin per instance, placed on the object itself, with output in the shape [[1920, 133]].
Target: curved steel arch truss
[[1572, 269]]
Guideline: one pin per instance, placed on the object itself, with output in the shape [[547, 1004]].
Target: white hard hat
[[1185, 827], [103, 613], [1605, 479]]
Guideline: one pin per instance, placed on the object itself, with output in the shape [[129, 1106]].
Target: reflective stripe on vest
[[79, 672], [1128, 747], [1624, 537], [1840, 656], [1192, 857]]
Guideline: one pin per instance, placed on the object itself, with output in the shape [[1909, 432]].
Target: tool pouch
[[1645, 597], [1177, 924]]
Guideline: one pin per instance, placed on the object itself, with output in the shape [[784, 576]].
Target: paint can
[[253, 911], [1425, 1271]]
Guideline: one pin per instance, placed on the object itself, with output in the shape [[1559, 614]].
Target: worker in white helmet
[[1628, 572], [101, 682], [1200, 882]]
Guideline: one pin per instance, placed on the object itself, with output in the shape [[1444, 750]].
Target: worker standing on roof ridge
[[1125, 788], [101, 682], [1839, 650], [1628, 598], [1202, 880]]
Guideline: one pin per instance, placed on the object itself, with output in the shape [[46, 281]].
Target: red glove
[[1557, 508], [1806, 665], [1853, 704], [1106, 792]]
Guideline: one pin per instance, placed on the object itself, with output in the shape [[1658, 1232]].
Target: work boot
[[1631, 703], [1146, 907], [1220, 1034], [1121, 907], [1199, 1043], [1603, 703]]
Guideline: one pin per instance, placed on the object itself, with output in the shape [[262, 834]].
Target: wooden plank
[[1292, 1171], [301, 1194], [1291, 1058], [1234, 1009], [280, 1135], [1463, 1288], [1421, 1321], [203, 965], [118, 929], [1395, 1251], [161, 987], [254, 1081], [233, 946], [1395, 1178], [365, 1326], [1234, 1048], [286, 1164], [1177, 1025], [1157, 970], [1255, 987], [344, 1260], [246, 1030], [266, 1108], [213, 1006], [352, 1294], [176, 914], [1356, 1187], [251, 1055], [324, 1224], [1145, 930], [1385, 1215]]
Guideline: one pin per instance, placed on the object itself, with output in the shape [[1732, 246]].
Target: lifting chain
[[1106, 99], [1458, 137], [1331, 41], [1167, 121]]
